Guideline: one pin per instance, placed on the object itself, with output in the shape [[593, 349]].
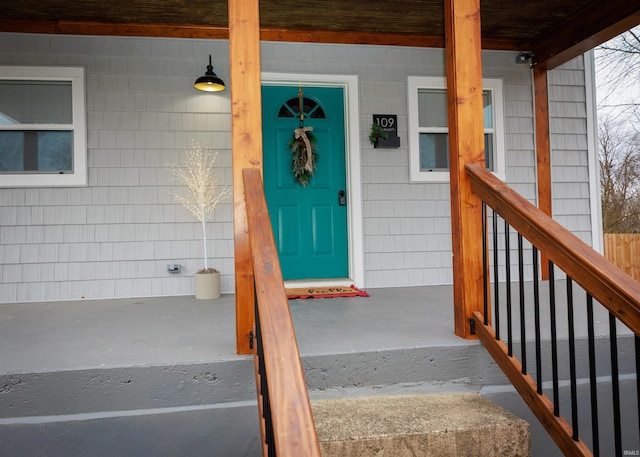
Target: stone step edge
[[446, 424]]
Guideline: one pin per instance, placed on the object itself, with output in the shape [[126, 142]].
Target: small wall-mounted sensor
[[174, 268], [524, 57]]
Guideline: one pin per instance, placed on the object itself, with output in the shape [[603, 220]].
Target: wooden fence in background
[[623, 249]]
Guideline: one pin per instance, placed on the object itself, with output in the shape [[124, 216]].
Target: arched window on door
[[310, 108]]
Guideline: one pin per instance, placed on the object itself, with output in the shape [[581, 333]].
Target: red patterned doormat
[[326, 292]]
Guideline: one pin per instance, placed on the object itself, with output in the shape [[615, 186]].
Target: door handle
[[342, 199]]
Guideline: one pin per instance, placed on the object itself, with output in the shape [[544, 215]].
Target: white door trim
[[352, 155]]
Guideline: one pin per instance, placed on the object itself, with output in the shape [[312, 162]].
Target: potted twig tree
[[200, 194]]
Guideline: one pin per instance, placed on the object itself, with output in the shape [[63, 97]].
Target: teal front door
[[309, 222]]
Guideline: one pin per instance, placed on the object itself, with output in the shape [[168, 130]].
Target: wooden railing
[[601, 280], [286, 419]]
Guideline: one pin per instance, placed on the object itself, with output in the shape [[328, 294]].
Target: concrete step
[[190, 409], [152, 410], [230, 429], [55, 393], [428, 425], [94, 390], [66, 412]]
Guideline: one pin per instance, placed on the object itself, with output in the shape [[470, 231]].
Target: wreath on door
[[304, 148]]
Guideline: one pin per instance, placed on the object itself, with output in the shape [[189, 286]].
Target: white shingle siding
[[115, 237], [569, 144], [108, 239]]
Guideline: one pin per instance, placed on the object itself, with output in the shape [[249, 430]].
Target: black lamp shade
[[209, 82]]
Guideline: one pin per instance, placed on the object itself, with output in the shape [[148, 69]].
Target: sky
[[617, 90]]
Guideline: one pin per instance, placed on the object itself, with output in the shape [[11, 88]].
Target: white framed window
[[42, 127], [429, 130]]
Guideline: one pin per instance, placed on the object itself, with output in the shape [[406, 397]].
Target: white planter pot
[[207, 285]]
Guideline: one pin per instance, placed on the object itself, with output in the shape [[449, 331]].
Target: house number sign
[[388, 123]]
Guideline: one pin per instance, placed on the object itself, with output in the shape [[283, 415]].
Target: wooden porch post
[[543, 150], [246, 144], [466, 145]]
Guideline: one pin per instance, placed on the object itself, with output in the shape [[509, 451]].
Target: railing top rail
[[294, 429], [608, 284]]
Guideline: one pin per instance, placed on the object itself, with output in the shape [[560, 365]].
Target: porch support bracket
[[466, 145]]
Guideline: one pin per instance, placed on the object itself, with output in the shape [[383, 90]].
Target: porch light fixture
[[209, 82]]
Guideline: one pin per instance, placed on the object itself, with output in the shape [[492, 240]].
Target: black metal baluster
[[615, 383], [264, 388], [523, 327], [485, 266], [554, 341], [536, 310], [592, 377], [271, 442], [496, 294], [572, 360], [507, 256], [259, 353]]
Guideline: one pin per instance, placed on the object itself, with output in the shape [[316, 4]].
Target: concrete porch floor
[[168, 330], [81, 335]]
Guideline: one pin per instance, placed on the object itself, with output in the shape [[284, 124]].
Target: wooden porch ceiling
[[554, 30]]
